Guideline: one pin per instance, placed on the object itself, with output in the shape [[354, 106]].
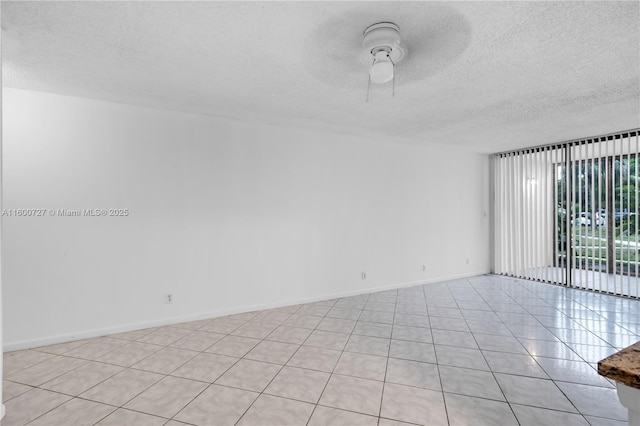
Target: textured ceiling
[[486, 76]]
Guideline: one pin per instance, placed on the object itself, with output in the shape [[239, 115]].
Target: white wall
[[225, 215]]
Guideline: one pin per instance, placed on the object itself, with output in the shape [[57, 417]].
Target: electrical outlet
[[467, 260], [168, 299], [363, 275]]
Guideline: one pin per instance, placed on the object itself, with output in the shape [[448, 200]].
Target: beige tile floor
[[488, 350]]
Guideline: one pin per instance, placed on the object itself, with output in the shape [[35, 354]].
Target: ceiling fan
[[382, 49]]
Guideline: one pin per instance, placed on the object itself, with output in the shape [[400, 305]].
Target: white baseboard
[[86, 334]]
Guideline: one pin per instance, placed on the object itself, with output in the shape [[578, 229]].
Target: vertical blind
[[568, 213]]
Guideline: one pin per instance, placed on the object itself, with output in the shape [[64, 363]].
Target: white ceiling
[[487, 76]]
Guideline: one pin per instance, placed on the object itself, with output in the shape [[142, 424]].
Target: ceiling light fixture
[[381, 70], [381, 52]]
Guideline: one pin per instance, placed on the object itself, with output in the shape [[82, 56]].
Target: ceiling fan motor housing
[[383, 36]]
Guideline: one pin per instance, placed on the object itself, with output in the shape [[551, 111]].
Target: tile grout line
[[386, 365], [332, 371], [491, 369], [124, 369], [444, 400], [282, 367], [180, 366], [550, 378], [147, 371]]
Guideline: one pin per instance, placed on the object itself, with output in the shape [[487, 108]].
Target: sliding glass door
[[568, 213]]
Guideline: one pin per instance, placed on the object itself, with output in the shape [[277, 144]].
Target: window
[[568, 213]]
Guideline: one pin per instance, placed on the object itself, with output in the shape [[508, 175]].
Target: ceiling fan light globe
[[381, 72]]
